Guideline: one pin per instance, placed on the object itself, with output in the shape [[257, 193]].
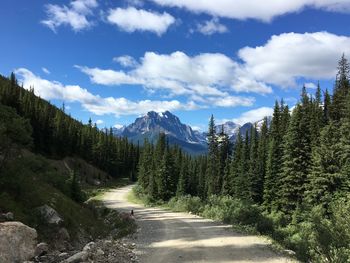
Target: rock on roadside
[[78, 257], [50, 215], [17, 242]]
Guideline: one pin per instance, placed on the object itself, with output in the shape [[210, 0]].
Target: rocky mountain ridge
[[193, 141]]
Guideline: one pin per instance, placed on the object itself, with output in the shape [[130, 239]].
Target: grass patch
[[133, 198], [30, 181]]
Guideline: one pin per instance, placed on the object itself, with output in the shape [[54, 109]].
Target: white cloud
[[251, 116], [207, 74], [255, 9], [310, 85], [135, 2], [108, 76], [51, 90], [74, 16], [46, 71], [131, 19], [211, 27], [126, 61], [99, 122], [232, 101], [286, 57], [94, 103]]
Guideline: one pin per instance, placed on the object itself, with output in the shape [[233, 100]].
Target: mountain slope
[[150, 125]]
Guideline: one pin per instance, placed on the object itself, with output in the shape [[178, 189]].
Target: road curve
[[167, 237]]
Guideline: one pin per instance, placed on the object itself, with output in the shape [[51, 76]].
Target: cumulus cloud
[[99, 122], [131, 19], [282, 61], [108, 76], [46, 71], [251, 116], [211, 27], [98, 105], [50, 90], [75, 15], [126, 61], [310, 85], [255, 9], [207, 74], [288, 56]]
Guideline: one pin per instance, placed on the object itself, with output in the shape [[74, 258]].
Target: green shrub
[[331, 234], [186, 203]]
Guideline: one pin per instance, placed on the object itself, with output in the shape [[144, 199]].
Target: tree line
[[299, 158], [288, 166], [56, 134]]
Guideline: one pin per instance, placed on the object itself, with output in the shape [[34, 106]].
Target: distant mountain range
[[150, 125]]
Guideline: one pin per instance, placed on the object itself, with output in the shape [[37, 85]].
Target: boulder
[[63, 254], [88, 246], [41, 249], [17, 242], [99, 252], [78, 257], [50, 214]]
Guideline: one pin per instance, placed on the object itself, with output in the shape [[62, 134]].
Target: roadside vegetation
[[48, 159], [288, 178]]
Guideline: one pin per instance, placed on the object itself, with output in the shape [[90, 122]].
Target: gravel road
[[167, 237]]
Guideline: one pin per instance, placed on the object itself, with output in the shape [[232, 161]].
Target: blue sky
[[116, 60]]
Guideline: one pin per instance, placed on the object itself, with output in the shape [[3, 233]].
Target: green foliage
[[186, 203], [75, 189], [290, 180], [56, 134], [14, 133]]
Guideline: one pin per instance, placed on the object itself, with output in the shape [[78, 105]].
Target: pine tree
[[325, 179], [213, 160], [202, 190], [243, 179], [183, 184], [297, 157], [226, 182], [224, 152], [165, 176], [76, 192], [144, 168], [236, 167], [326, 106], [274, 160], [160, 172], [341, 90], [316, 117]]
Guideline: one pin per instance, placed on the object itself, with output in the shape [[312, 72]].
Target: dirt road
[[167, 237]]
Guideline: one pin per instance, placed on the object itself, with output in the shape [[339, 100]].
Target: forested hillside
[[57, 135], [291, 180], [46, 157]]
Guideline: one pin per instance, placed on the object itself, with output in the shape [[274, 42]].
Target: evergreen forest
[[289, 178]]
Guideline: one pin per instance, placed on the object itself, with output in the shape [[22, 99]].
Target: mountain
[[118, 131], [230, 128], [150, 125]]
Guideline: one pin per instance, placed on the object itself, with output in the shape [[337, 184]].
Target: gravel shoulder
[[165, 236]]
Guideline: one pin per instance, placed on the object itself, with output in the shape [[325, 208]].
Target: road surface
[[167, 237]]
